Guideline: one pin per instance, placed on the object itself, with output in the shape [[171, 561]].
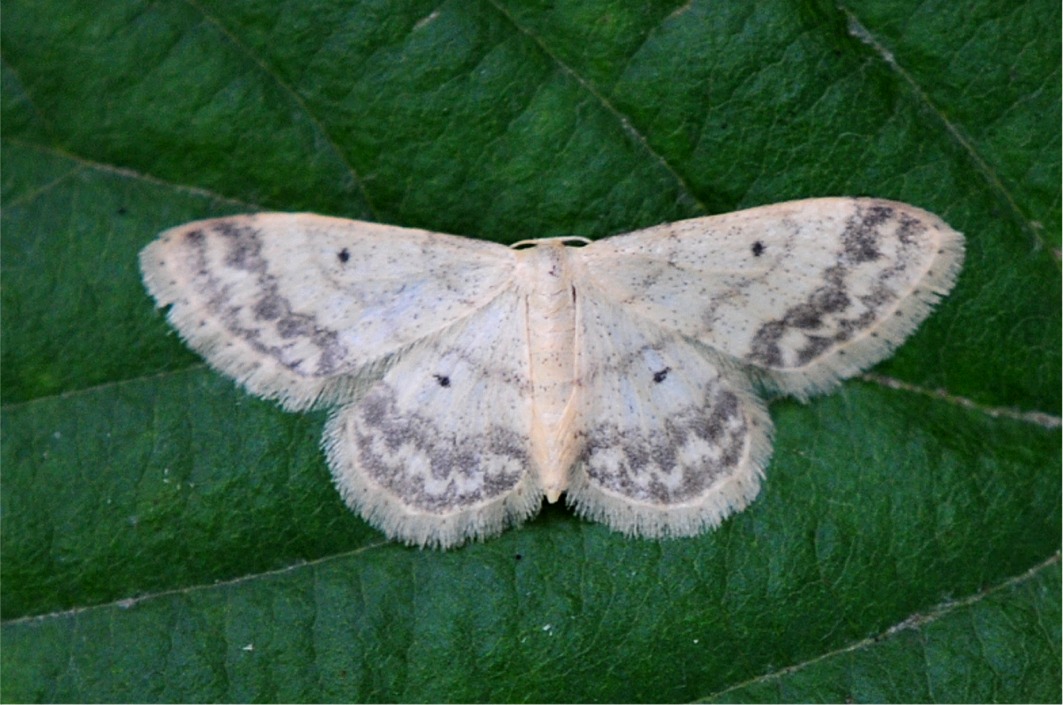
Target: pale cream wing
[[438, 451], [806, 293], [673, 440], [302, 307]]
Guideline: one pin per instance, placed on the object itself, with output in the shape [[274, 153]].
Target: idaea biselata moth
[[467, 379]]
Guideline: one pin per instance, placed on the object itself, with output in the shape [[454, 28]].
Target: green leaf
[[986, 648], [165, 536]]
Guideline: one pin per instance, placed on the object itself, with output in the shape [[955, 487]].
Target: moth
[[468, 380]]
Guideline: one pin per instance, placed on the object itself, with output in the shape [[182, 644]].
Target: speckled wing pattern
[[802, 294], [304, 308], [438, 450], [467, 380], [680, 323], [673, 443], [417, 339]]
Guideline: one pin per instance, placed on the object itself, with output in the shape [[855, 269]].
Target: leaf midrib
[[954, 134], [626, 123], [917, 620]]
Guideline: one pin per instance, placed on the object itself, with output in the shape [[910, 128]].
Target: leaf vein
[[914, 621], [130, 602], [858, 30], [296, 98], [625, 122]]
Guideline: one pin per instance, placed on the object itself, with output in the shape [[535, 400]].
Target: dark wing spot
[[270, 307], [295, 325], [344, 255], [660, 375], [443, 380], [861, 235], [758, 248]]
